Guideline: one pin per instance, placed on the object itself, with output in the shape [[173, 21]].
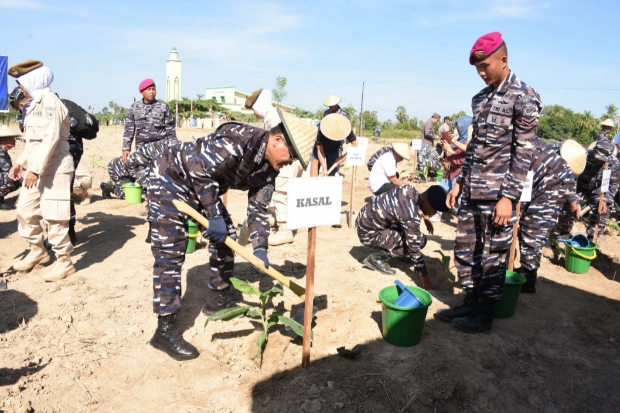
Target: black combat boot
[[479, 320], [106, 190], [168, 339], [529, 287], [148, 234], [470, 303], [72, 235], [220, 300], [378, 262]]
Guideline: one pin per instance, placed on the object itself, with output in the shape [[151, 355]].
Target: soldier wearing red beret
[[505, 117]]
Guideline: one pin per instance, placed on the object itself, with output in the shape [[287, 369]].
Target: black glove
[[216, 233], [261, 253]]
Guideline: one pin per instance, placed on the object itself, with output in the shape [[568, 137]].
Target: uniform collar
[[503, 87]]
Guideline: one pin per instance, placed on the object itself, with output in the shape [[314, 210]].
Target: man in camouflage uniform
[[428, 156], [589, 186], [7, 185], [606, 126], [553, 184], [498, 159], [390, 222], [150, 121], [235, 156]]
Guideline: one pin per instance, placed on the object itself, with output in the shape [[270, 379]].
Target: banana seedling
[[259, 313], [446, 267]]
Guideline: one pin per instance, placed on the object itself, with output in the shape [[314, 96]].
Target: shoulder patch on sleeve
[[49, 112]]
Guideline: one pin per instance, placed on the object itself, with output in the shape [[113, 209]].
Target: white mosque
[[173, 76]]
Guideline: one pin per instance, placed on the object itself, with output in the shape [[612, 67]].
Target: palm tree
[[401, 115], [611, 112]]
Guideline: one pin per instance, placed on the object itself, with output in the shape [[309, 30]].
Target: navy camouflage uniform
[[7, 185], [332, 149], [497, 161], [589, 186], [199, 173], [377, 155], [601, 135], [553, 184], [391, 222], [427, 155], [149, 123]]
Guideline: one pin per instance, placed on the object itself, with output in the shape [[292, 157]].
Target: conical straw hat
[[402, 149], [6, 132], [301, 135], [608, 122], [335, 127], [332, 100], [575, 156]]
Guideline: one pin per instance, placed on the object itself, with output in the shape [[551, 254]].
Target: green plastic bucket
[[402, 326], [133, 193], [439, 173], [578, 259], [507, 305], [192, 229]]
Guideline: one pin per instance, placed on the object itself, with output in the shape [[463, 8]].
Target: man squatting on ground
[[150, 121], [589, 186], [505, 116], [47, 168], [553, 185], [261, 103], [235, 156], [7, 185], [391, 222], [383, 168], [21, 103]]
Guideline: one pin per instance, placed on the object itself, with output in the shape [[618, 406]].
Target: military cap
[[485, 46], [145, 84], [604, 150], [436, 115], [436, 196], [251, 100], [24, 67]]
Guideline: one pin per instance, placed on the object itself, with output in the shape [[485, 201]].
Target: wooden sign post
[[416, 145], [515, 240], [351, 198], [604, 189], [309, 303]]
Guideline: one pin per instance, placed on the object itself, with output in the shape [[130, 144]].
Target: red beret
[[146, 83], [485, 46]]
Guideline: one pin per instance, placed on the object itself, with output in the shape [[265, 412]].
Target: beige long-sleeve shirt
[[46, 129]]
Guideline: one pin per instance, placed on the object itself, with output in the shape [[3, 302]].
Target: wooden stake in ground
[[225, 200], [515, 240], [351, 199], [604, 189], [308, 314], [415, 165]]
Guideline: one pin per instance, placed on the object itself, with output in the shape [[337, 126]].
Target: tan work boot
[[282, 236], [62, 269], [37, 255]]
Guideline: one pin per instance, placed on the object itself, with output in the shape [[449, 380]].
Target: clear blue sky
[[410, 53]]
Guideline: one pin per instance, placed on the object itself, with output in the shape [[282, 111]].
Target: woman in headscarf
[[455, 152]]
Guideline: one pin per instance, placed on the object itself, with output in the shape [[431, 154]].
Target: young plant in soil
[[446, 267], [259, 313]]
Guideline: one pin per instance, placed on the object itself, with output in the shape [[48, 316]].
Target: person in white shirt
[[384, 174]]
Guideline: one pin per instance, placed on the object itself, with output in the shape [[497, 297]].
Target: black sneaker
[[378, 262]]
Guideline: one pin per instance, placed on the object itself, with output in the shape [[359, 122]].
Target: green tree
[[279, 93], [414, 122], [369, 120], [352, 112], [199, 96], [611, 112], [401, 115], [555, 128]]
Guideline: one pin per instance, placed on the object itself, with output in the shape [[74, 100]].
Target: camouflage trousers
[[120, 175], [535, 224], [10, 186], [77, 156], [388, 239], [136, 169], [481, 249], [169, 239], [567, 218]]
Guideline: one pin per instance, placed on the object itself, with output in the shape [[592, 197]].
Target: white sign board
[[356, 156], [605, 182], [416, 144], [313, 202], [526, 195]]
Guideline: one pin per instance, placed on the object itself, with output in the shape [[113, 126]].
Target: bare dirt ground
[[82, 344]]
